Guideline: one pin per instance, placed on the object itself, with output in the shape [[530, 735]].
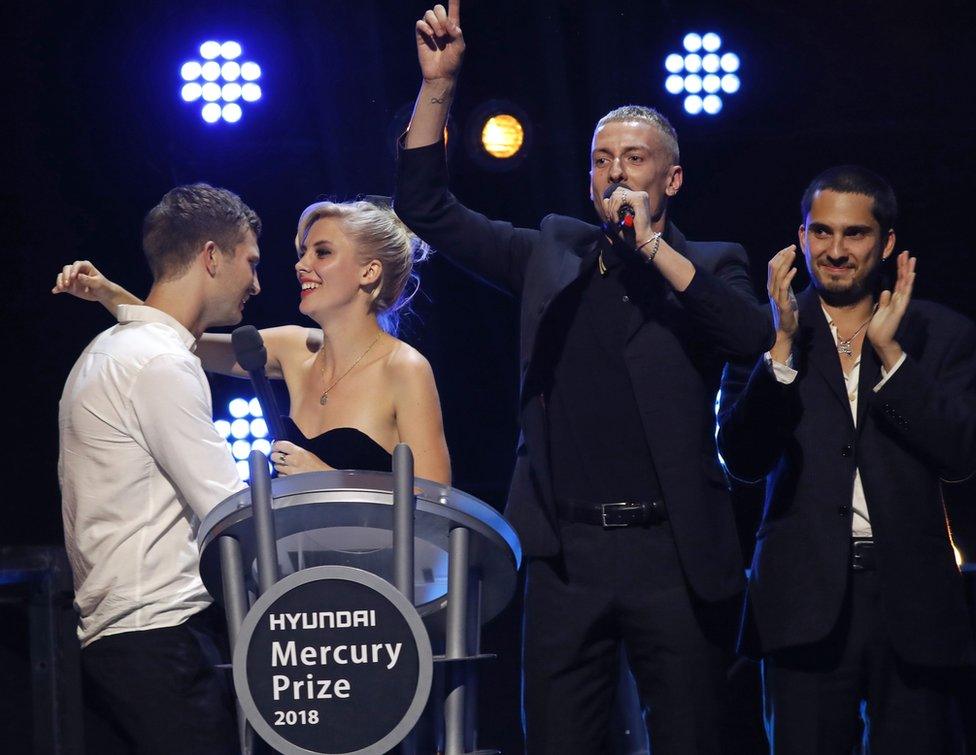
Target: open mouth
[[307, 288]]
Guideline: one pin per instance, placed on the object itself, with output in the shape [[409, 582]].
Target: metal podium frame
[[482, 549]]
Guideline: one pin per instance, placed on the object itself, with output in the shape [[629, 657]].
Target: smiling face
[[633, 153], [843, 245], [237, 280], [330, 270]]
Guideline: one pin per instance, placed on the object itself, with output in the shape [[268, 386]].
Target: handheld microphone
[[252, 357], [625, 215]]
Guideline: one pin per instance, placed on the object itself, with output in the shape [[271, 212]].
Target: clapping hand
[[891, 309], [782, 301]]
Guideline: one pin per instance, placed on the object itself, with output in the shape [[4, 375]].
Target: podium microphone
[[625, 215], [252, 357]]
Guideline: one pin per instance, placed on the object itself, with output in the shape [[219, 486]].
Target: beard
[[848, 294]]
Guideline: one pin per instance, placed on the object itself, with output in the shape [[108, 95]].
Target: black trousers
[[611, 587], [159, 691], [815, 696]]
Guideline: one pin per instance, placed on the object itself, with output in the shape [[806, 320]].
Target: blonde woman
[[356, 390]]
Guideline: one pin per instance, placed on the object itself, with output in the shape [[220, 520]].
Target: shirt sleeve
[[173, 410], [784, 373], [886, 376]]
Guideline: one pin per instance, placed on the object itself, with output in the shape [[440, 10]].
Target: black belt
[[615, 514], [863, 557]]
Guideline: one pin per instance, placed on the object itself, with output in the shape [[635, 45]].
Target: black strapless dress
[[342, 448]]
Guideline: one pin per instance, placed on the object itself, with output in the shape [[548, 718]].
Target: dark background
[[95, 132]]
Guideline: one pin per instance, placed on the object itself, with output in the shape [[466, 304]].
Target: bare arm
[[282, 343], [440, 49], [82, 279], [418, 416]]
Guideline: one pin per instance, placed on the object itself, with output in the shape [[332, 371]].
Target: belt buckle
[[617, 505]]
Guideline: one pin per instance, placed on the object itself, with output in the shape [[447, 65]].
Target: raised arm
[[493, 250], [83, 280], [283, 343], [440, 50]]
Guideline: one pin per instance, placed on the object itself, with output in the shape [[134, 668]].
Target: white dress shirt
[[784, 373], [140, 464]]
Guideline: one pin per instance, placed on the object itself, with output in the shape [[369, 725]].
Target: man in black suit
[[863, 407], [617, 494]]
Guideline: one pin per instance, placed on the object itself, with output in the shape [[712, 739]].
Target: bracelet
[[656, 240]]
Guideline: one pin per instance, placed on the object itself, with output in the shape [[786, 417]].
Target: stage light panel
[[703, 73], [217, 77], [254, 407]]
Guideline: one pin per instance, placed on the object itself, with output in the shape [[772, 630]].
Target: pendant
[[844, 347], [323, 398]]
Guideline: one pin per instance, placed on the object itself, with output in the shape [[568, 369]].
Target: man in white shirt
[[141, 464], [864, 406]]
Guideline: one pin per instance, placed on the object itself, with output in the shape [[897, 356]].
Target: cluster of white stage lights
[[244, 432], [221, 81], [702, 73]]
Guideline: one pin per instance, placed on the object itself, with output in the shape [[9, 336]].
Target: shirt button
[[626, 298], [843, 510], [847, 450]]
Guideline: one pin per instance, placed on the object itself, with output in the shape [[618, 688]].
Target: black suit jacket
[[675, 360], [919, 427]]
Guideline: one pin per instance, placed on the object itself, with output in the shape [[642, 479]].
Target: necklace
[[844, 344], [325, 394]]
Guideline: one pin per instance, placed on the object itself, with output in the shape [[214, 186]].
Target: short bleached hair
[[669, 137]]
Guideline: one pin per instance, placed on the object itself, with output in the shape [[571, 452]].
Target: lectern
[[343, 590]]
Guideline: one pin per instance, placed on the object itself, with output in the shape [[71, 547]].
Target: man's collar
[[140, 313]]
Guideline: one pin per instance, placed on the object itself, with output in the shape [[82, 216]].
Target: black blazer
[[676, 358], [920, 427]]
